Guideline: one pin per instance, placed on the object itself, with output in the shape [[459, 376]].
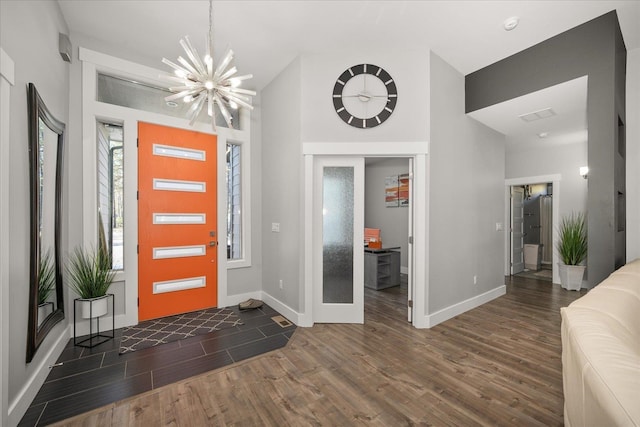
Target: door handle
[[212, 243]]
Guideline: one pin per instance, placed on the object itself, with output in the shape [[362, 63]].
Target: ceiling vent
[[537, 115]]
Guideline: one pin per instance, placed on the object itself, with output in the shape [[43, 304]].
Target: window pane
[[141, 96], [234, 203], [111, 192], [337, 235]]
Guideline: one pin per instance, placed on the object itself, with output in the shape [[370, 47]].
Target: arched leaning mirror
[[46, 305]]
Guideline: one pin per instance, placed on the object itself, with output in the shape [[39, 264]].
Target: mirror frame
[[37, 110]]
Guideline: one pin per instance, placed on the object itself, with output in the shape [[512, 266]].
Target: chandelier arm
[[195, 109], [176, 89], [181, 94], [240, 102], [188, 66], [210, 103], [243, 77], [240, 90], [230, 72], [176, 67], [192, 53], [235, 96], [223, 110], [223, 65], [172, 78]]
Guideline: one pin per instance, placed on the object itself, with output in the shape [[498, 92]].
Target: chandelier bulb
[[208, 84]]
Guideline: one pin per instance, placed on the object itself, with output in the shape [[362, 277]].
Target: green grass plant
[[90, 273], [572, 243]]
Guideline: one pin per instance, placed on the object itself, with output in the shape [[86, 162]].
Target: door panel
[[338, 240], [517, 230], [177, 218]]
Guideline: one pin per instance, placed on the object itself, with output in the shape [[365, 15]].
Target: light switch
[[275, 227]]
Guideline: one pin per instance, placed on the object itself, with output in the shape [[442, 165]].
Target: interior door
[[177, 254], [338, 240], [517, 230], [410, 296]]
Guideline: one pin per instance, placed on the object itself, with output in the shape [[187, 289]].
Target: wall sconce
[[584, 171]]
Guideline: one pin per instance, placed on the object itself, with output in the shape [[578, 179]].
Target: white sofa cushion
[[601, 353]]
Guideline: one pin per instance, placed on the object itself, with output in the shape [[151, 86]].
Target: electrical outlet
[[281, 284], [475, 280]]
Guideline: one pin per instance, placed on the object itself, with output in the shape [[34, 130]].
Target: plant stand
[[94, 338]]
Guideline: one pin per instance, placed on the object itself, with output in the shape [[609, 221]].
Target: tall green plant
[[572, 244], [90, 273], [46, 277]]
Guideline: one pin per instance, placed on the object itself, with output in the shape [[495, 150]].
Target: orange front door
[[177, 233]]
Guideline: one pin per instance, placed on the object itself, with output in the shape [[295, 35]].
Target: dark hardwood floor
[[499, 364], [86, 379]]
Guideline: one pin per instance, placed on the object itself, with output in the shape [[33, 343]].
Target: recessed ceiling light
[[172, 104], [543, 134], [511, 23]]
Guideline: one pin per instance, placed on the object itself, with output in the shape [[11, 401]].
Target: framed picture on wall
[[391, 191]]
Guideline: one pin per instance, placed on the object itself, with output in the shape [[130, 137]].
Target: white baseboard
[[18, 407], [463, 306], [237, 299], [295, 317]]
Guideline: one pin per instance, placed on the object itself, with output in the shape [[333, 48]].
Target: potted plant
[[90, 276], [46, 284], [572, 247]]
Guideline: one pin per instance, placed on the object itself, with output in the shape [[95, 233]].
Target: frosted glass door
[[339, 224]]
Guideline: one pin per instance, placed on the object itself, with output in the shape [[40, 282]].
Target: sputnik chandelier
[[202, 83]]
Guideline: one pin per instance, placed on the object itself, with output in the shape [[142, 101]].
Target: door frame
[[415, 150], [555, 213], [125, 286]]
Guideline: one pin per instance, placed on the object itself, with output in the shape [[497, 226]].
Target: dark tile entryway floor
[[90, 378]]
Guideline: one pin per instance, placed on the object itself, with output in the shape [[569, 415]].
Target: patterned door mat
[[167, 329]]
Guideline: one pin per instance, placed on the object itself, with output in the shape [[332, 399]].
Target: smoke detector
[[511, 23]]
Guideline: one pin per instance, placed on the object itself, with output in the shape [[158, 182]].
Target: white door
[[410, 247], [517, 229], [338, 240]]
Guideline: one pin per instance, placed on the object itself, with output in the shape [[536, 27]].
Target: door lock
[[212, 243]]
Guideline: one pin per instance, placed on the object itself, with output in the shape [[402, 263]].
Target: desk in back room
[[381, 267]]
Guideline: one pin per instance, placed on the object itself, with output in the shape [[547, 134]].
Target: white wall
[[410, 120], [564, 160], [393, 222], [633, 154], [29, 34], [466, 197]]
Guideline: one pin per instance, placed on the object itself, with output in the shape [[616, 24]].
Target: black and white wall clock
[[364, 96]]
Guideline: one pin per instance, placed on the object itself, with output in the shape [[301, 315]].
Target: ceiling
[[568, 125], [267, 35]]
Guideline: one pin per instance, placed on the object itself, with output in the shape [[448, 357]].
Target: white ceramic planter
[[571, 276], [92, 308]]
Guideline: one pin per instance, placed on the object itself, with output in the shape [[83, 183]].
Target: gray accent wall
[[466, 196], [29, 33], [595, 49]]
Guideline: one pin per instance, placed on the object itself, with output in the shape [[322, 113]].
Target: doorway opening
[[387, 212], [531, 222]]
